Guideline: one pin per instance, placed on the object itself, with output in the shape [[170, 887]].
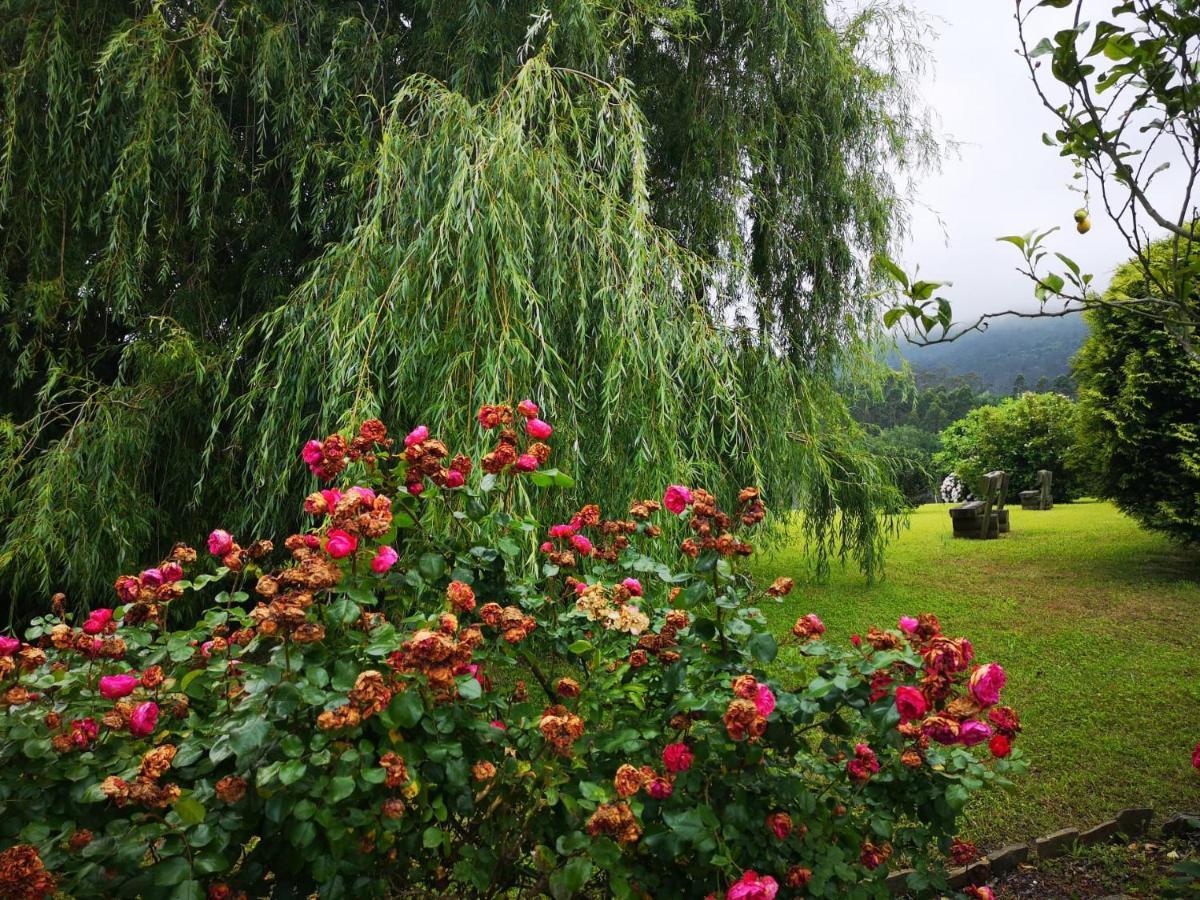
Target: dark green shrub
[[1020, 436], [1139, 405]]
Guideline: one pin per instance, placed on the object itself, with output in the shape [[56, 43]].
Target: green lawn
[[1097, 623]]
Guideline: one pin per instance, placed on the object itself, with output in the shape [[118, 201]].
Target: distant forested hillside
[[1034, 348]]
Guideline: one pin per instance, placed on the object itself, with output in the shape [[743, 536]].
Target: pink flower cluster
[[752, 886]]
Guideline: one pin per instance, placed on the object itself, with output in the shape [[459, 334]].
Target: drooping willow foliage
[[229, 225]]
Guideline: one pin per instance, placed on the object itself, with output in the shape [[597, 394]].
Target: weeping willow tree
[[229, 225]]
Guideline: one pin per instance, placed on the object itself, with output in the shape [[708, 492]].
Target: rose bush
[[425, 693]]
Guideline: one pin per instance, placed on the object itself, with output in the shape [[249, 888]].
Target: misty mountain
[[1036, 348]]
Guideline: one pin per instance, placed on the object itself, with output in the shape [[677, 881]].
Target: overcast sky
[[1005, 180]]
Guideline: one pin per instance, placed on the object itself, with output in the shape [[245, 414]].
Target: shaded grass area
[[1097, 623]]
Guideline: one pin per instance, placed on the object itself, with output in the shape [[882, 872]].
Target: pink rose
[[764, 700], [538, 430], [312, 452], [678, 757], [633, 586], [908, 624], [547, 547], [972, 732], [340, 544], [561, 531], [143, 720], [528, 409], [152, 577], [455, 479], [385, 558], [332, 497], [986, 683], [677, 498], [97, 620], [418, 434], [9, 645], [415, 488], [496, 723], [365, 492], [581, 543], [527, 462], [580, 587], [1195, 755], [220, 542], [910, 703], [751, 887], [114, 687], [311, 541], [171, 572]]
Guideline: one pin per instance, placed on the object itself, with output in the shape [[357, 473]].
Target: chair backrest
[[1000, 479], [991, 489]]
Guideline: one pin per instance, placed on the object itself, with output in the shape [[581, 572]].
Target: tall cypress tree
[[229, 225]]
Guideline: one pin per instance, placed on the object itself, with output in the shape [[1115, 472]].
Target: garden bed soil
[[1134, 870]]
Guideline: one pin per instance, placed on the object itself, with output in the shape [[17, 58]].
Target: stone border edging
[[1131, 822]]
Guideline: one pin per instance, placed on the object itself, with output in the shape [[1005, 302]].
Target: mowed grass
[[1097, 623]]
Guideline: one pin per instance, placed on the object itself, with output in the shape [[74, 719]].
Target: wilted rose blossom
[[633, 586], [220, 542], [171, 572], [152, 577], [528, 409], [677, 498], [659, 788], [418, 434], [455, 479], [751, 886], [114, 687], [979, 892], [779, 824], [385, 557], [809, 627]]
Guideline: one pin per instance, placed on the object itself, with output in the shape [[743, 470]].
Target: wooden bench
[[985, 518], [1042, 498]]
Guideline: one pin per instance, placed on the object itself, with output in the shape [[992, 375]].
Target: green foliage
[[1139, 404], [1021, 435], [338, 738], [909, 451], [918, 400], [224, 225]]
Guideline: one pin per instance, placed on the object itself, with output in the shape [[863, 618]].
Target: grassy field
[[1098, 625]]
